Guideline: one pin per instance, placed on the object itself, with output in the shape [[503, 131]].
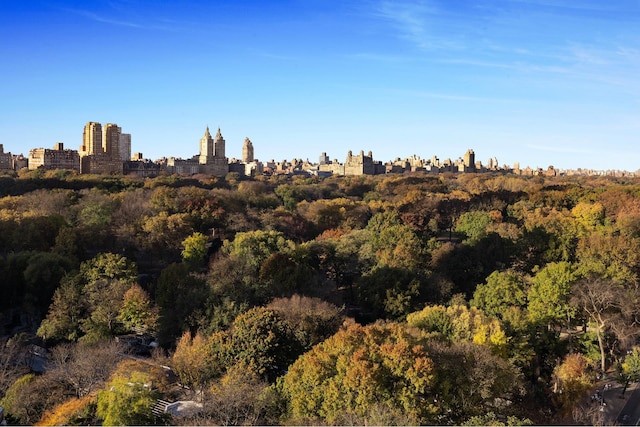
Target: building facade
[[362, 165], [212, 158], [100, 149], [6, 159], [56, 158], [125, 146], [247, 151]]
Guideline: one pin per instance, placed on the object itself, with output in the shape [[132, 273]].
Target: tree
[[264, 341], [181, 297], [127, 400], [237, 398], [390, 292], [571, 381], [469, 380], [75, 411], [109, 266], [82, 369], [29, 397], [357, 369], [550, 293], [137, 312], [199, 359], [42, 276], [631, 365], [491, 419], [256, 246], [312, 319], [65, 312], [195, 250], [605, 304], [473, 225], [13, 365], [502, 290], [104, 299], [459, 323], [395, 244]]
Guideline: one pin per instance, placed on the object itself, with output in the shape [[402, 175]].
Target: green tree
[[109, 266], [65, 312], [501, 290], [473, 225], [127, 400], [137, 311], [264, 341], [629, 369], [195, 249], [256, 246], [550, 294], [356, 370], [290, 195]]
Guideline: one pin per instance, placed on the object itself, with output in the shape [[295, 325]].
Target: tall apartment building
[[469, 161], [212, 157], [362, 165], [100, 150], [56, 158], [125, 146], [247, 151], [91, 139], [111, 141]]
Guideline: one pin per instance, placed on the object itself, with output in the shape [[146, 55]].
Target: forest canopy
[[394, 299]]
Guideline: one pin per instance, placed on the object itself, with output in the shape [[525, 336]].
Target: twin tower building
[[105, 149]]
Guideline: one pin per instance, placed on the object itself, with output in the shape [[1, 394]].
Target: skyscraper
[[111, 141], [100, 150], [91, 139], [219, 148], [206, 147], [247, 151], [125, 146], [212, 158]]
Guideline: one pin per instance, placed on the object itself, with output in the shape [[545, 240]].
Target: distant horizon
[[315, 159], [538, 82]]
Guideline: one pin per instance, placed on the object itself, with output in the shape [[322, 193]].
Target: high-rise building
[[212, 155], [125, 146], [111, 141], [247, 151], [91, 139], [100, 150], [469, 160], [219, 146], [206, 147]]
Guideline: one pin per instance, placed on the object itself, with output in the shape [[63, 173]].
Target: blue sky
[[542, 82]]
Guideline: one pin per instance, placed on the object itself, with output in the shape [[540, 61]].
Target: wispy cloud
[[99, 18], [451, 96], [143, 23], [594, 5], [412, 21]]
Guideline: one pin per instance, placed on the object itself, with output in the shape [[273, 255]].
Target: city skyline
[[539, 82]]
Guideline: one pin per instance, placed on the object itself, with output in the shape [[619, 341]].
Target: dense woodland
[[399, 299]]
